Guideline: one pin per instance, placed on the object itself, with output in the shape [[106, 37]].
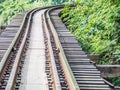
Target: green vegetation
[[11, 8], [96, 25], [115, 81]]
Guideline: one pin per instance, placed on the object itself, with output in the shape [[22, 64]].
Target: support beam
[[109, 70], [117, 88]]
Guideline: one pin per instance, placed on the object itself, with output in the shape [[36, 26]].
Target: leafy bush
[[96, 25], [11, 8], [115, 80]]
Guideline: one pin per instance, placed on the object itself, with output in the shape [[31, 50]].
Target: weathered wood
[[109, 70], [94, 57], [117, 88]]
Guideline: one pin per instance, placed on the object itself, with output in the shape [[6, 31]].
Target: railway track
[[38, 52]]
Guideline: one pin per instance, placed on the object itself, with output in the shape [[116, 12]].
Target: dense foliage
[[115, 81], [96, 24], [10, 8]]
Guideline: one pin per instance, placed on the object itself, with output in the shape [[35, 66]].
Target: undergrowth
[[96, 25], [11, 8]]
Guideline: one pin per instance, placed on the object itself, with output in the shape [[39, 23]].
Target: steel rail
[[7, 54], [17, 58], [56, 83], [67, 70]]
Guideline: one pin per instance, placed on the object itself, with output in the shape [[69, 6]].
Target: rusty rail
[[56, 83], [17, 59], [72, 84], [4, 61], [7, 54]]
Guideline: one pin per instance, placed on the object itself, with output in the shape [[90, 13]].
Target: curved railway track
[[38, 52]]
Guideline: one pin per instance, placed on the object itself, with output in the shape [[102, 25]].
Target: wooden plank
[[80, 63], [87, 72], [91, 85], [87, 76], [5, 41], [77, 56], [74, 52], [91, 82], [84, 69], [94, 88], [72, 44], [77, 59], [72, 49], [62, 29], [68, 40], [11, 28], [117, 88], [65, 34], [4, 47], [7, 35]]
